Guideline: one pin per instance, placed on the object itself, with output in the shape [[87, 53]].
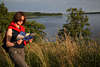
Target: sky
[[51, 5]]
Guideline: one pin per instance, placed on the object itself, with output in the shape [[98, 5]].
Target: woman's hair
[[17, 17]]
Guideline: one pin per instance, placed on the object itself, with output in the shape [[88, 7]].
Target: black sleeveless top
[[13, 39]]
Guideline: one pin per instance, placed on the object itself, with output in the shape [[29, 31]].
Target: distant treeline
[[92, 12], [41, 14], [34, 14]]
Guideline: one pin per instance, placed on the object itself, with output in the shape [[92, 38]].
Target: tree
[[4, 21], [3, 10], [35, 27], [77, 24]]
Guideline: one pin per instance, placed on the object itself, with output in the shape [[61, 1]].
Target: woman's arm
[[8, 38]]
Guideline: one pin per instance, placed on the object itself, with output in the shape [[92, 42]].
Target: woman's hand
[[19, 41]]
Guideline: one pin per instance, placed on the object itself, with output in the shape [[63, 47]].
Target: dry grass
[[67, 53]]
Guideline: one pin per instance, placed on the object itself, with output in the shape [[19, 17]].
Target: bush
[[77, 24]]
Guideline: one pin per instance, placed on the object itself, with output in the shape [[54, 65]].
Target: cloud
[[50, 5]]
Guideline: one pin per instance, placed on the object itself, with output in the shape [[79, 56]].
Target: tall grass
[[67, 53]]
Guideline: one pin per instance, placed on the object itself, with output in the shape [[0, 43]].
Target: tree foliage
[[35, 27], [4, 18], [3, 10], [77, 24]]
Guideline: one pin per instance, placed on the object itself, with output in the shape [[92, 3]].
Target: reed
[[67, 53]]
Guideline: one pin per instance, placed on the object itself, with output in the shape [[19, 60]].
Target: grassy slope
[[60, 54]]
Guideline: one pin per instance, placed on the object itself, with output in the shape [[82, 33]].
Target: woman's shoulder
[[9, 31]]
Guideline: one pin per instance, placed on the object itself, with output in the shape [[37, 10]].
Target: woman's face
[[21, 21]]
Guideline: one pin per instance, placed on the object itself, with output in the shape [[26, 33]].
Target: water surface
[[54, 23]]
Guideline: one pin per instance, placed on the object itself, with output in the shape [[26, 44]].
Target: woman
[[15, 47]]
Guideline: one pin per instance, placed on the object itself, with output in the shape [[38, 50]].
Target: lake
[[54, 23]]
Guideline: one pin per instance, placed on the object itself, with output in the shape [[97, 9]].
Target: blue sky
[[51, 5]]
